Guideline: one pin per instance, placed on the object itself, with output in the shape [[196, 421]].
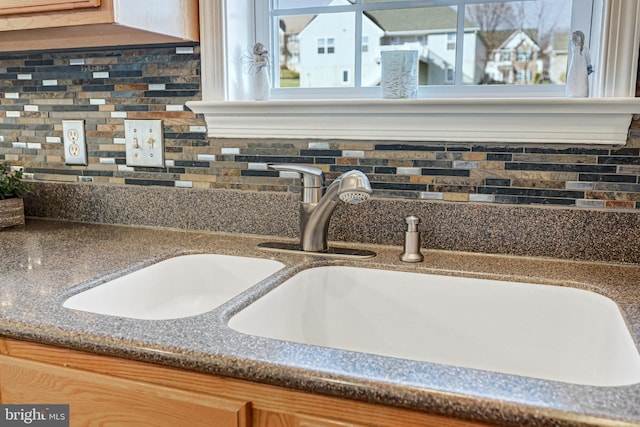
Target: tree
[[492, 18], [545, 16], [540, 20]]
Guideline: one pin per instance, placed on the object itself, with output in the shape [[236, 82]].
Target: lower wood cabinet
[[103, 400], [105, 390]]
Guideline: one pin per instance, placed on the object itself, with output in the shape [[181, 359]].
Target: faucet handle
[[311, 177]]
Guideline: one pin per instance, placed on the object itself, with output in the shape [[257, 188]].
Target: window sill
[[602, 121]]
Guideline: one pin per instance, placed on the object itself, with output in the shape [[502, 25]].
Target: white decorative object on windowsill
[[257, 64], [262, 84], [579, 67], [399, 74]]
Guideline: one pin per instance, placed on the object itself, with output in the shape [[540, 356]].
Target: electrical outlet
[[75, 147], [144, 142]]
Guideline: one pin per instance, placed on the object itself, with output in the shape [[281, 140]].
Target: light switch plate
[[144, 142], [75, 147]]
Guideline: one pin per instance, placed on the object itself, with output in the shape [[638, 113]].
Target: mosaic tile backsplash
[[105, 87]]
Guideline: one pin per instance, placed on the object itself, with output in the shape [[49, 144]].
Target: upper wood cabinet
[[64, 24], [8, 7]]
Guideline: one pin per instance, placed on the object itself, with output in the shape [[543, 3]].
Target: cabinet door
[[8, 7], [96, 399], [266, 418]]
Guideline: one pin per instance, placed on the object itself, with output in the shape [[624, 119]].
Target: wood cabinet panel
[[268, 406], [25, 22], [9, 7], [262, 418], [102, 400], [108, 23]]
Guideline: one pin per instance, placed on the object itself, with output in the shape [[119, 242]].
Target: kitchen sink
[[533, 330], [182, 286]]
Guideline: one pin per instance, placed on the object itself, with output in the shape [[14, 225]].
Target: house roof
[[499, 39], [422, 19], [416, 19], [295, 24], [517, 39]]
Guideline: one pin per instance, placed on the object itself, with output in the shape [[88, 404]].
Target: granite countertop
[[47, 261]]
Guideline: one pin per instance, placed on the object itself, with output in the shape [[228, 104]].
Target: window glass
[[429, 30], [316, 50], [290, 52], [463, 43], [365, 44], [519, 42], [298, 4]]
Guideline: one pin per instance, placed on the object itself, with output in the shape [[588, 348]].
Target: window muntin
[[480, 53]]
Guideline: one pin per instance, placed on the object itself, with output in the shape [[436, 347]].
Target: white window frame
[[604, 118]]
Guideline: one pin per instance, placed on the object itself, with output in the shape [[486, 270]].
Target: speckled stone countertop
[[48, 261]]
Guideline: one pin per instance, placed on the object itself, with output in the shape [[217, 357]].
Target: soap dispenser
[[412, 241]]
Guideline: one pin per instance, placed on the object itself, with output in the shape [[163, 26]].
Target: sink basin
[[183, 286], [540, 331]]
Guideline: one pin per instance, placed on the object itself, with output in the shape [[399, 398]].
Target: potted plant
[[12, 189]]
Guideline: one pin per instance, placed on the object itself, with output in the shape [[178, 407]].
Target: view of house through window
[[337, 43]]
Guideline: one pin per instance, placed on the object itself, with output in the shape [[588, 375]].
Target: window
[[325, 46], [468, 114], [449, 75], [451, 41], [524, 55], [460, 35], [523, 76], [331, 46]]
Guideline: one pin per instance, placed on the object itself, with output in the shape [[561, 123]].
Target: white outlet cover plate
[[75, 146], [144, 143]]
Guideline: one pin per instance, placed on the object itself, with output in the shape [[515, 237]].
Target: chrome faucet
[[317, 205]]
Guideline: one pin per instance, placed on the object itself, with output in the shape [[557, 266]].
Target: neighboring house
[[325, 47], [327, 50], [433, 30], [517, 60], [558, 54]]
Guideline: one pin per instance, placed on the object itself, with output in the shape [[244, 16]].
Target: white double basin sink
[[183, 286], [539, 331]]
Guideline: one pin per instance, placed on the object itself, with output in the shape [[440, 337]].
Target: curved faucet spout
[[351, 187], [317, 205]]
